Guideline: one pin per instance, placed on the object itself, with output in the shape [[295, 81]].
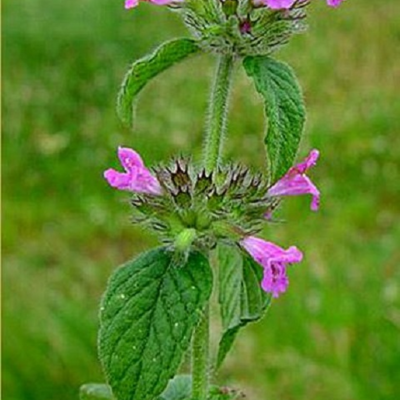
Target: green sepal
[[148, 313], [240, 295], [284, 108], [146, 68]]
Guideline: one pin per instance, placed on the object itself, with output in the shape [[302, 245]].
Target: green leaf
[[147, 68], [147, 318], [179, 388], [284, 107], [240, 295], [95, 391]]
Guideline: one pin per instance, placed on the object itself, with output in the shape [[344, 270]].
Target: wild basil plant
[[155, 310]]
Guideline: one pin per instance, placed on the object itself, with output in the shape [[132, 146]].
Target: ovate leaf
[[147, 317], [146, 68], [95, 391], [284, 107], [240, 296]]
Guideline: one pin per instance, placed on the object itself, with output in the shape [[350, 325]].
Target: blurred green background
[[336, 333]]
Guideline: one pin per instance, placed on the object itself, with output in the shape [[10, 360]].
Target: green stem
[[200, 358], [217, 112]]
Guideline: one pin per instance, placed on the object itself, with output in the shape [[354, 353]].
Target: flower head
[[274, 260], [136, 178], [134, 3], [295, 182]]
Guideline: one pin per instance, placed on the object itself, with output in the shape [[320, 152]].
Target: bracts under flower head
[[230, 203]]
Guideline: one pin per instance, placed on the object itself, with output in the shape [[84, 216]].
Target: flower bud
[[185, 239]]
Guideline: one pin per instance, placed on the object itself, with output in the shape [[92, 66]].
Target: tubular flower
[[136, 178], [295, 182], [286, 4], [276, 4], [334, 3], [274, 260], [134, 3]]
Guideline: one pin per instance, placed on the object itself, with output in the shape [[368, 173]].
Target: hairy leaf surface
[[240, 295], [147, 317], [284, 108], [146, 68]]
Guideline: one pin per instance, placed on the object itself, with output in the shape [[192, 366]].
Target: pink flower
[[286, 4], [276, 4], [274, 260], [334, 3], [136, 178], [134, 3], [295, 182]]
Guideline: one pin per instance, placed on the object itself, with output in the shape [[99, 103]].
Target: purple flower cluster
[[274, 259]]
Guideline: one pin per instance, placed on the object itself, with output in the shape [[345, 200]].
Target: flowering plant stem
[[216, 123], [158, 305], [200, 364], [217, 112]]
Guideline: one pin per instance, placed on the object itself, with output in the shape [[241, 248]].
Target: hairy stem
[[215, 128], [200, 358], [217, 112]]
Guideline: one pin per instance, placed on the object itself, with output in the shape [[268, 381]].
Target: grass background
[[336, 333]]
